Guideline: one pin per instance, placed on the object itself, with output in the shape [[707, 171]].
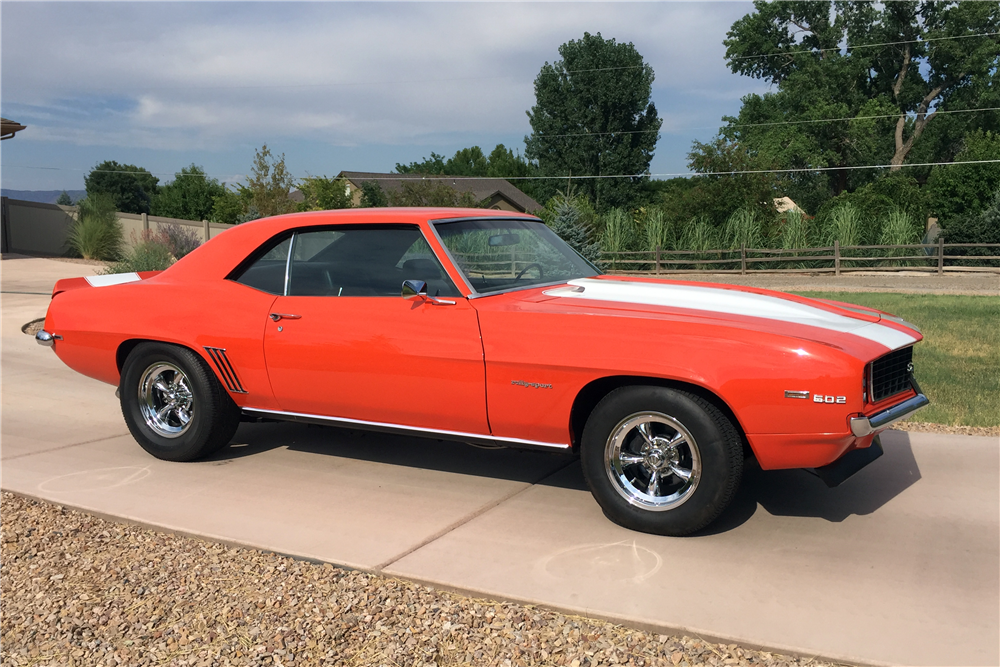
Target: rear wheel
[[173, 404], [661, 460]]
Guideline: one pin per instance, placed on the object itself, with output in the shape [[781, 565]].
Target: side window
[[364, 261], [267, 273]]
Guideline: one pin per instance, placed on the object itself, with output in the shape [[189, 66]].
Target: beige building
[[498, 193]]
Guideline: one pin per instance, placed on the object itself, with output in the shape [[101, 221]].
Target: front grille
[[890, 374]]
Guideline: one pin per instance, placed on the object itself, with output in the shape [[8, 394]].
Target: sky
[[333, 86]]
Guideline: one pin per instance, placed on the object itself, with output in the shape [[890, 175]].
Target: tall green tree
[[268, 186], [324, 194], [900, 62], [593, 117], [190, 196], [64, 199], [131, 188]]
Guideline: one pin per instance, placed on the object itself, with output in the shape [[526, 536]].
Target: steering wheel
[[541, 271]]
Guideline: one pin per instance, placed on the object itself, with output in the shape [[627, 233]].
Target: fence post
[[743, 259], [145, 223], [836, 257], [208, 229], [658, 250], [940, 250]]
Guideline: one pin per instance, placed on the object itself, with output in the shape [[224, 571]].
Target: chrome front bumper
[[862, 426]]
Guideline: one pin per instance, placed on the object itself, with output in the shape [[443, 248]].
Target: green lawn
[[958, 362]]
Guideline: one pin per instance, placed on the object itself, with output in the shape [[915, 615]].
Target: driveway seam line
[[466, 519], [56, 449]]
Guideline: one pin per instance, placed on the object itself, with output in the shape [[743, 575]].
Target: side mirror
[[412, 288]]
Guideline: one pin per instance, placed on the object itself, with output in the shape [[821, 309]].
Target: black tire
[[157, 376], [637, 432]]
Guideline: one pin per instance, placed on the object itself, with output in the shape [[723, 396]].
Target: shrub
[[982, 228], [961, 191], [744, 228], [657, 230], [845, 224], [96, 234], [151, 252], [793, 231], [618, 234], [898, 229], [569, 225], [180, 239]]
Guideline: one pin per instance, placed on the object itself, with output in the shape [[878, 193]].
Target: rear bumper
[[862, 426]]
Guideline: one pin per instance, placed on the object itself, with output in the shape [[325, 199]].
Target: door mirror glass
[[412, 288]]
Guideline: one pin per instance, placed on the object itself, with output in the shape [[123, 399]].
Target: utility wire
[[851, 47], [445, 177], [781, 122], [507, 76]]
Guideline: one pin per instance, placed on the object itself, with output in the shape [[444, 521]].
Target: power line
[[865, 46], [782, 122], [507, 76], [445, 177]]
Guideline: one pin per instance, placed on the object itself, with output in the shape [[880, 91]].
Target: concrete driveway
[[899, 565]]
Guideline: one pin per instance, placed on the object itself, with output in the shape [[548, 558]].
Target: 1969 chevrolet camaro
[[483, 326]]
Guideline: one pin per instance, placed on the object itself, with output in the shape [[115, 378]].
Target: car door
[[342, 342]]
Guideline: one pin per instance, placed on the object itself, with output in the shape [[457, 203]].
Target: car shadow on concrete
[[778, 492], [802, 494], [441, 455]]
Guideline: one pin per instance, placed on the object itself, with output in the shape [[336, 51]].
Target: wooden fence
[[932, 257]]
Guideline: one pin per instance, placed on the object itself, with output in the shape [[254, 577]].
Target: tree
[[64, 199], [372, 195], [227, 207], [268, 186], [190, 196], [570, 225], [593, 117], [430, 193], [324, 194], [131, 188], [903, 61], [963, 190]]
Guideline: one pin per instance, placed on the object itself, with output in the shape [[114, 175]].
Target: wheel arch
[[591, 394], [126, 347]]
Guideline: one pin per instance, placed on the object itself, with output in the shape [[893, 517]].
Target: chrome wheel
[[165, 400], [652, 461]]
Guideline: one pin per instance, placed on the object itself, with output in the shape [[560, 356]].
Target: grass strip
[[958, 362]]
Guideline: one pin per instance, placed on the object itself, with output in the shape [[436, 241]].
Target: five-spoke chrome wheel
[[166, 400], [652, 461]]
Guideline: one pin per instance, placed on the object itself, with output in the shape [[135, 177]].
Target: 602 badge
[[817, 398]]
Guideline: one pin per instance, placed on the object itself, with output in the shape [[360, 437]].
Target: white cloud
[[179, 75]]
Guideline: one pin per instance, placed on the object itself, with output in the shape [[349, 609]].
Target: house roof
[[480, 188]]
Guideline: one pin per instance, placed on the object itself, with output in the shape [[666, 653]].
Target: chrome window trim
[[288, 262], [473, 292], [404, 429]]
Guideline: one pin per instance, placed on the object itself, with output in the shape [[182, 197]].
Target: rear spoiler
[[68, 284]]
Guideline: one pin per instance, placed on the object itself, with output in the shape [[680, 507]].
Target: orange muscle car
[[483, 326]]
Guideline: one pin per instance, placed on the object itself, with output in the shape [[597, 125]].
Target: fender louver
[[226, 370]]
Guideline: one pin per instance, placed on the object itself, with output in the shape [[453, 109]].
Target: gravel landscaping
[[80, 590]]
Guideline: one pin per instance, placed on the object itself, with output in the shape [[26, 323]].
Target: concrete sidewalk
[[899, 565]]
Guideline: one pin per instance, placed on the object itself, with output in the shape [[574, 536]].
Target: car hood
[[736, 304]]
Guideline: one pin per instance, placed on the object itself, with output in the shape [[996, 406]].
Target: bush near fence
[[932, 257]]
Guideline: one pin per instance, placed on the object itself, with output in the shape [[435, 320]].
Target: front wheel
[[661, 460], [173, 404]]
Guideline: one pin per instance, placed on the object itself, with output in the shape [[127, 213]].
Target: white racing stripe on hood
[[732, 302], [113, 279]]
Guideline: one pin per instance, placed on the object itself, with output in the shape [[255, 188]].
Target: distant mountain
[[42, 196]]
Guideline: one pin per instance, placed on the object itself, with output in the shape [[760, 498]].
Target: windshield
[[510, 253]]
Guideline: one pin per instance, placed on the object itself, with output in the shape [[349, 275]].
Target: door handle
[[284, 316]]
